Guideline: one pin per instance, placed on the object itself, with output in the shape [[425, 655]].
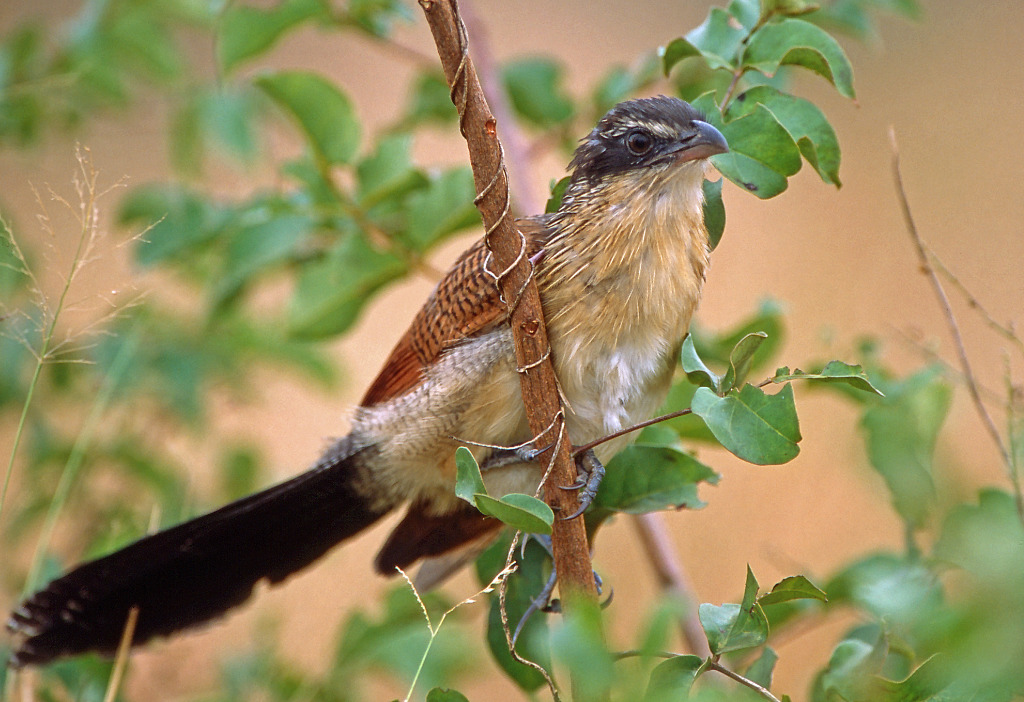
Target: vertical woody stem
[[514, 274]]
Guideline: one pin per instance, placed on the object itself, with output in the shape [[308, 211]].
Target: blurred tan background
[[951, 86]]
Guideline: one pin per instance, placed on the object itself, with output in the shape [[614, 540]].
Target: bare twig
[[628, 430], [933, 356], [1004, 330], [954, 328], [759, 689], [656, 542]]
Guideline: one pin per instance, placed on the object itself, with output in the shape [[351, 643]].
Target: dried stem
[[969, 380], [1004, 330], [121, 660], [669, 571]]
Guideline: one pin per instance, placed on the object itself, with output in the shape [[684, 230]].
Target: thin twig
[[578, 450], [759, 689], [954, 328], [933, 356], [1004, 330], [658, 546]]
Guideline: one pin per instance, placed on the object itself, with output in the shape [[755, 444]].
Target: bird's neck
[[628, 256]]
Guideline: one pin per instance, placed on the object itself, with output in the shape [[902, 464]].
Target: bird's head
[[645, 158], [644, 138]]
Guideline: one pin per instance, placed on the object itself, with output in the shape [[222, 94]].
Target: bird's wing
[[464, 304]]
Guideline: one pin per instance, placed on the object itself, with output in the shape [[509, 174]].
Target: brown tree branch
[[514, 274], [654, 538], [517, 156]]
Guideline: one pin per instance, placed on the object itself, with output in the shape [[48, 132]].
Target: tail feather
[[196, 571]]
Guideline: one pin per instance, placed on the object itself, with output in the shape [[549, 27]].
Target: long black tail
[[195, 571]]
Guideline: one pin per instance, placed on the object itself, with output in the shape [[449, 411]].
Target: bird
[[620, 267]]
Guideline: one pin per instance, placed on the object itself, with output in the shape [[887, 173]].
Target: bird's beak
[[708, 141]]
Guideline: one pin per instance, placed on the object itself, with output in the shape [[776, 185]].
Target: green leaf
[[395, 641], [672, 679], [322, 110], [688, 426], [762, 154], [759, 428], [644, 478], [929, 682], [740, 360], [388, 172], [760, 671], [445, 695], [746, 12], [377, 17], [677, 50], [896, 589], [834, 371], [720, 626], [245, 32], [620, 82], [534, 88], [518, 511], [579, 645], [795, 587], [718, 347], [443, 208], [557, 193], [13, 270], [852, 16], [806, 124], [430, 101], [696, 372], [239, 472], [468, 481], [851, 669], [332, 292], [714, 211], [222, 118], [256, 245], [657, 631], [902, 429], [791, 8], [750, 588], [179, 222], [718, 39], [799, 43], [986, 539]]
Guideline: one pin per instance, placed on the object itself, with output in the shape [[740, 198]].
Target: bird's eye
[[639, 142]]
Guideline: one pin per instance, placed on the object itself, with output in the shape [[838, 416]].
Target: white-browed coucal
[[620, 266]]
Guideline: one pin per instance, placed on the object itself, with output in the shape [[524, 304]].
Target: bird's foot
[[590, 473]]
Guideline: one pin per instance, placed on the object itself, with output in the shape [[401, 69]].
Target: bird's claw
[[591, 473]]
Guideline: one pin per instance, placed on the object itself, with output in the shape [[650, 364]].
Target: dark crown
[[607, 149]]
